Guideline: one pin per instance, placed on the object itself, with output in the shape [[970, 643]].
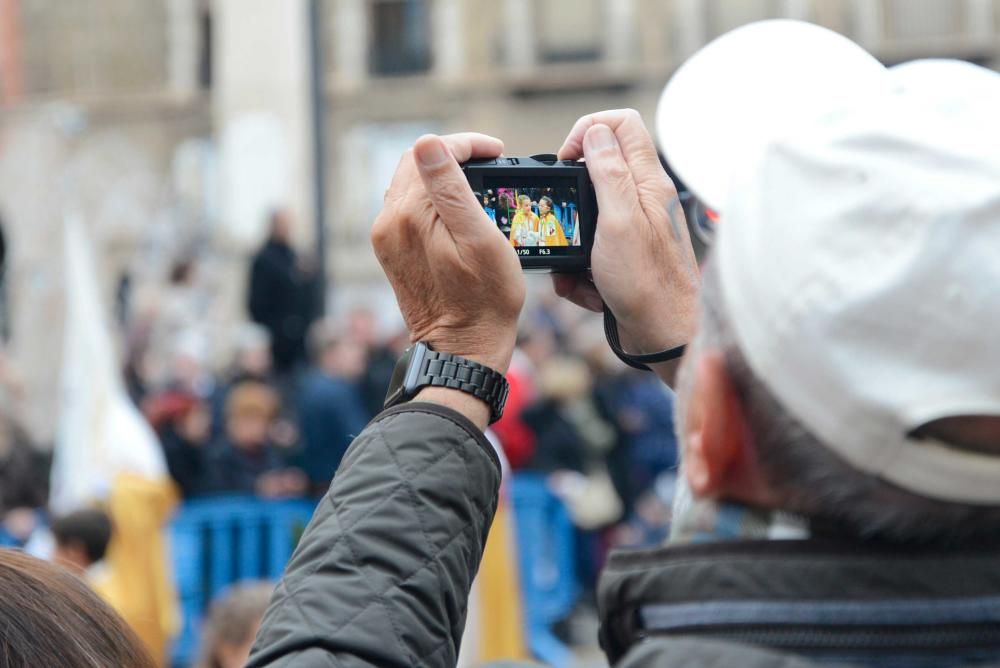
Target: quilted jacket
[[381, 576]]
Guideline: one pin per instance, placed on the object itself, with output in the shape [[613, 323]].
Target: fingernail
[[599, 138], [431, 153]]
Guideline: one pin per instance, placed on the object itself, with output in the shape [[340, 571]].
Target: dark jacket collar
[[811, 596]]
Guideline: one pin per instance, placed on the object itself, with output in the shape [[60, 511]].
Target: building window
[[400, 37], [567, 30]]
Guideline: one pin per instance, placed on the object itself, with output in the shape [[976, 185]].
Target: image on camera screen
[[537, 221]]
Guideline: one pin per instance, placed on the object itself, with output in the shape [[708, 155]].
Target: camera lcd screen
[[538, 221]]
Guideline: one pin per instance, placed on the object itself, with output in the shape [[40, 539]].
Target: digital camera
[[545, 207]]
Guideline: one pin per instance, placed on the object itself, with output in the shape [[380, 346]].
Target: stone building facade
[[172, 125]]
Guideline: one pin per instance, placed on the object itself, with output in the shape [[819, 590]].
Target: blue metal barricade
[[223, 540], [545, 546]]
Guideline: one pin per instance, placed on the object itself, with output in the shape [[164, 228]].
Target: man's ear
[[715, 448]]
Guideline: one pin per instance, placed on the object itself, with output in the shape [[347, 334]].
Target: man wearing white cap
[[838, 405]]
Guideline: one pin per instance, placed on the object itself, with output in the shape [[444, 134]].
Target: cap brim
[[735, 95]]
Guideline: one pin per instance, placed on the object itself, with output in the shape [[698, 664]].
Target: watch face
[[397, 385]]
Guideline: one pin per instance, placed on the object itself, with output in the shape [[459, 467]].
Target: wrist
[[476, 410], [493, 352], [653, 335]]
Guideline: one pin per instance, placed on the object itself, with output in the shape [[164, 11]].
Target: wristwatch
[[420, 367]]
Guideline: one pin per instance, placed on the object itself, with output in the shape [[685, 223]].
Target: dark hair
[[50, 617], [91, 528], [547, 200]]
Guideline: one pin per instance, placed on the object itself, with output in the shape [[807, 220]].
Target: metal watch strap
[[447, 370]]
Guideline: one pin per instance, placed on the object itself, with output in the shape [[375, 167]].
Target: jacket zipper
[[895, 638]]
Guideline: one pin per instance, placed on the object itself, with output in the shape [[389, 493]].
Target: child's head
[[232, 623], [251, 409], [82, 538]]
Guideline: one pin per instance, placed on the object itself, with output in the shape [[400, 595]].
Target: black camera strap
[[634, 361]]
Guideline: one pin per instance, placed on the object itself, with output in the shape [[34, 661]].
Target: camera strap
[[634, 361]]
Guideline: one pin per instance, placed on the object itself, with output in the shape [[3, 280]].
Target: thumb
[[448, 189], [612, 178]]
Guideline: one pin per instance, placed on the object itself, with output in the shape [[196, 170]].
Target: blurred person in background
[[574, 441], [516, 437], [281, 294], [183, 423], [643, 410], [231, 624], [24, 484], [537, 343], [251, 361], [380, 356], [331, 410], [50, 617], [246, 460], [571, 434], [252, 358]]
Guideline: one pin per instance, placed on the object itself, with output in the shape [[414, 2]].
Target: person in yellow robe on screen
[[552, 231], [525, 228]]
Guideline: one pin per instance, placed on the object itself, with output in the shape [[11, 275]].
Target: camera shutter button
[[547, 158]]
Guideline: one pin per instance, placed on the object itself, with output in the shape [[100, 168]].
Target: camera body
[[545, 207]]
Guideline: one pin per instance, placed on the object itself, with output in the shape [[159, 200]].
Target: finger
[[448, 189], [402, 178], [468, 145], [578, 289], [464, 146], [636, 143], [611, 176]]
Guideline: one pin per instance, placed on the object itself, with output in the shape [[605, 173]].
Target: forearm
[[385, 567]]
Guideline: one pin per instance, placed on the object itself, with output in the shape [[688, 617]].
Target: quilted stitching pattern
[[382, 574]]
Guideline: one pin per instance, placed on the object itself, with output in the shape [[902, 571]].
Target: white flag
[[100, 432]]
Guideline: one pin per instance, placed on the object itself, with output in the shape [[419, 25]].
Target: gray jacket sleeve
[[382, 574]]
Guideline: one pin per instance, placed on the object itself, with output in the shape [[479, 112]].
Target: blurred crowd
[[275, 418]]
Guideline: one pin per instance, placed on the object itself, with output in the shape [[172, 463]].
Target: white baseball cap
[[859, 238]]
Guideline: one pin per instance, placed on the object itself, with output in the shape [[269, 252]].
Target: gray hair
[[811, 479]]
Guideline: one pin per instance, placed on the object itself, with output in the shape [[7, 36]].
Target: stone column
[[980, 19], [262, 113], [621, 39], [796, 9], [869, 18], [182, 47], [520, 45], [350, 40], [447, 30], [691, 27]]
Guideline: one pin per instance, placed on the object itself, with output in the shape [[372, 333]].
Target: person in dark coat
[[362, 327], [330, 404], [281, 295], [183, 423]]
